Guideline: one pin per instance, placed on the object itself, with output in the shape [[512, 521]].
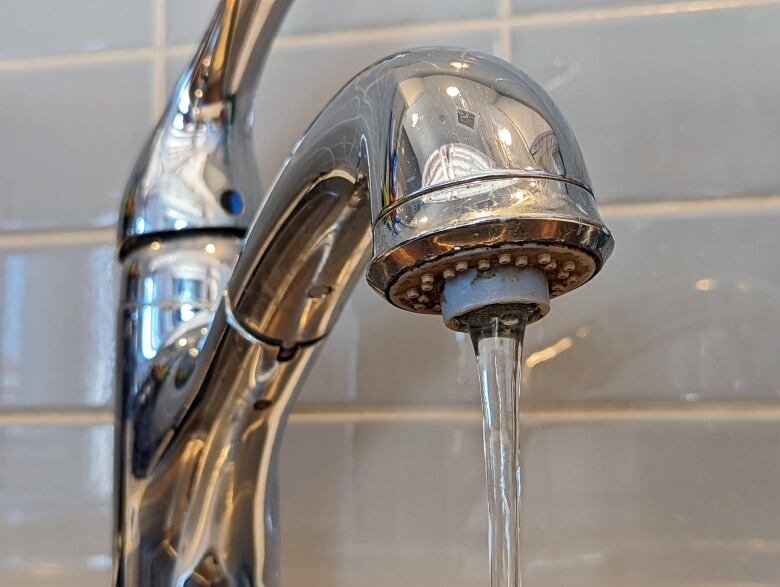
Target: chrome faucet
[[452, 163]]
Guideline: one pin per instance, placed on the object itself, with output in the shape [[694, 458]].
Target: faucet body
[[438, 156]]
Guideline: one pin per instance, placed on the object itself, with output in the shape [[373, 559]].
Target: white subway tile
[[49, 27], [334, 375], [55, 506], [669, 106], [58, 311], [315, 16], [174, 68], [651, 504], [69, 143], [396, 357], [384, 505], [682, 312], [187, 19]]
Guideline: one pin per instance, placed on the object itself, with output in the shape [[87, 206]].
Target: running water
[[498, 344]]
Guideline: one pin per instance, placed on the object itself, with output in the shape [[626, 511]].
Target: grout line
[[181, 51], [542, 414], [503, 24], [505, 30], [593, 15], [159, 89], [56, 417], [652, 412], [160, 24], [682, 207], [57, 238], [75, 59], [532, 415], [338, 413]]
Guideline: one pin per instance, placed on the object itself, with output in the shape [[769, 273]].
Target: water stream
[[498, 345]]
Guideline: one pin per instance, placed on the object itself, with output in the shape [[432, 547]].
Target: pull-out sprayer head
[[491, 203]]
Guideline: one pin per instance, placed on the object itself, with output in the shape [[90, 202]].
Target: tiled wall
[[652, 432]]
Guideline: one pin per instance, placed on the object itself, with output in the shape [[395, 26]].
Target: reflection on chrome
[[452, 161], [442, 158]]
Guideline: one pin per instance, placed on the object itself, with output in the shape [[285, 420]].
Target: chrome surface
[[198, 169], [447, 160]]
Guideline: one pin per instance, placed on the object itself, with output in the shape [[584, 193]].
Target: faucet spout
[[448, 161], [436, 155]]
